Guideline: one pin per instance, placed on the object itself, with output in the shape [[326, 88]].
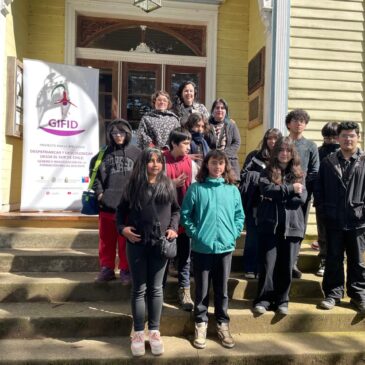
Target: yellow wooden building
[[264, 57]]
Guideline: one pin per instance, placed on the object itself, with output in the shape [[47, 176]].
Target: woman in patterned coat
[[155, 126]]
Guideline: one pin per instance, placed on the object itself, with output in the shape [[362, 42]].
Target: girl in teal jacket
[[213, 217]]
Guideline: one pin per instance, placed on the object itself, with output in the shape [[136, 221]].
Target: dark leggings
[[147, 269]]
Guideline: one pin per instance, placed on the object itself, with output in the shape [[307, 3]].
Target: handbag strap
[[157, 221], [96, 166]]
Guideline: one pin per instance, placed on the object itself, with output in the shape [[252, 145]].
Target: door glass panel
[[141, 85], [178, 78], [105, 102], [131, 38]]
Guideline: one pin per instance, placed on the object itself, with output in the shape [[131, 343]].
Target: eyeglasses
[[118, 134], [347, 136]]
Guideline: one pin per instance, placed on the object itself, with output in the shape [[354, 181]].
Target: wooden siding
[[232, 53], [47, 30], [16, 45], [34, 29], [326, 67], [257, 40]]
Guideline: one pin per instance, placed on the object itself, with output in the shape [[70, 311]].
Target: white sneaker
[[200, 335], [155, 342], [250, 275], [137, 343]]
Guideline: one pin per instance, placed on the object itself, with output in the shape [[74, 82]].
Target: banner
[[60, 134]]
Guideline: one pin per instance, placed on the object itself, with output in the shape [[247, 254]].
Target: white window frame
[[171, 12]]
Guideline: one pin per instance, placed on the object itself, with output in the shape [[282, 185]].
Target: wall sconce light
[[148, 5]]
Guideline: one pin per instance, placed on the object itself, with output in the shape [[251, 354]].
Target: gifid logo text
[[62, 127]]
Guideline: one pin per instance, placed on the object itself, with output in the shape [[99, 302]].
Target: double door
[[125, 88]]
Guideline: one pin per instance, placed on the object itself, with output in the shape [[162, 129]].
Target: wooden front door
[[139, 82]]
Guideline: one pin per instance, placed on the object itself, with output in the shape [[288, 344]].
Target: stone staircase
[[52, 311]]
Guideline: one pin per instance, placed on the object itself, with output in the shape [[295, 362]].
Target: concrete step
[[56, 260], [303, 348], [52, 238], [61, 219], [80, 286], [93, 319], [40, 237], [337, 348], [308, 259], [85, 259]]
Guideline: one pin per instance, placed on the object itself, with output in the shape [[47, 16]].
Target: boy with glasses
[[340, 200]]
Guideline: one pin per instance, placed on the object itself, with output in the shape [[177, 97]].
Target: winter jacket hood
[[115, 168], [123, 126]]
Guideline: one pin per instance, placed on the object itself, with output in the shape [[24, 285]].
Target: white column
[[276, 18], [4, 11], [280, 63], [265, 7]]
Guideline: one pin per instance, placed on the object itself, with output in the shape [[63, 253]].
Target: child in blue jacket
[[213, 217]]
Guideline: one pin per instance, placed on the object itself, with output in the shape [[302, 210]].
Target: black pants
[[183, 260], [353, 242], [215, 268], [277, 255], [322, 237]]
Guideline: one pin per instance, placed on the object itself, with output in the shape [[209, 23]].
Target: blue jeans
[[147, 268]]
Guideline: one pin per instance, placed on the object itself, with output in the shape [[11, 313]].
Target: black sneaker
[[360, 305], [296, 273], [329, 303], [105, 274]]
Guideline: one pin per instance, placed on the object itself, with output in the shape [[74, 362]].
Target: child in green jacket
[[213, 217]]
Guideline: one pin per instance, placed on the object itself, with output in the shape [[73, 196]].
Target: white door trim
[[176, 12]]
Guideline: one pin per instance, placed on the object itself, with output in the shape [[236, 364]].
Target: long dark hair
[[293, 172], [225, 104], [228, 174], [138, 187], [264, 150]]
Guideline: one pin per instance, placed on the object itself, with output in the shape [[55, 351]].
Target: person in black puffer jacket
[[340, 201], [254, 164], [111, 179], [281, 226]]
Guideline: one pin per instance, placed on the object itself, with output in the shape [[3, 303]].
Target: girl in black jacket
[[255, 163], [147, 210], [281, 226]]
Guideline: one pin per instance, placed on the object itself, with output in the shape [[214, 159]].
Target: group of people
[[183, 182]]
